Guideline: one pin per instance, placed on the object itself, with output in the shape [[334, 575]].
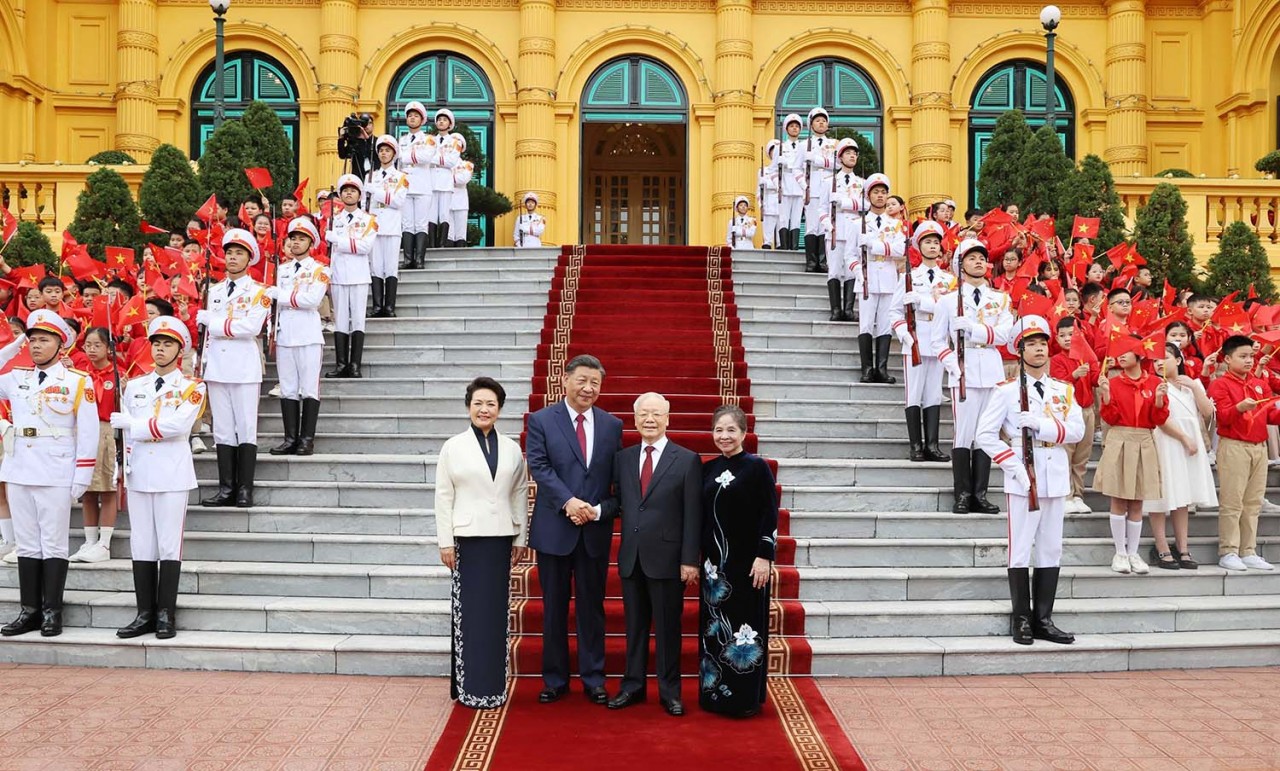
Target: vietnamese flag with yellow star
[[122, 259], [1085, 227]]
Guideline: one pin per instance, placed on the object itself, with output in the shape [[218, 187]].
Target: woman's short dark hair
[[162, 306], [486, 384], [733, 410]]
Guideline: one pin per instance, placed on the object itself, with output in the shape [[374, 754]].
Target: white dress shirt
[[658, 447], [588, 425]]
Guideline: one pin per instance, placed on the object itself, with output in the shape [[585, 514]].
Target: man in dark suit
[[658, 488], [570, 448]]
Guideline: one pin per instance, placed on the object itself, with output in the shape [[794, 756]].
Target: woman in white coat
[[530, 225], [481, 505]]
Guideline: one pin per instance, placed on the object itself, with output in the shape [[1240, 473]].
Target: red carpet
[[659, 319]]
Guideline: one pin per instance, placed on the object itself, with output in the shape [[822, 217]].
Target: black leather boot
[[866, 358], [290, 410], [226, 495], [389, 299], [307, 433], [442, 235], [420, 243], [1020, 594], [406, 249], [931, 450], [167, 599], [795, 239], [915, 434], [246, 464], [433, 232], [960, 469], [378, 309], [882, 359], [144, 591], [981, 476], [357, 354], [341, 355], [820, 251], [834, 299], [810, 254], [846, 311], [1044, 585], [30, 574], [53, 580]]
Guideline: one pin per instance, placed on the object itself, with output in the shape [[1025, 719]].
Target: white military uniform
[[460, 209], [821, 156], [159, 472], [741, 232], [232, 364], [885, 244], [387, 189], [529, 226], [789, 167], [842, 251], [50, 448], [415, 161], [352, 236], [1035, 537], [767, 184], [928, 283], [990, 311], [444, 153], [300, 286]]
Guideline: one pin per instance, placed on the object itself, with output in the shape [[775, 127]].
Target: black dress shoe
[[982, 505], [1047, 631], [597, 695], [626, 699], [674, 708], [549, 695]]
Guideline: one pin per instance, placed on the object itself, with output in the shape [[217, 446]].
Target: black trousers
[[587, 575], [656, 601]]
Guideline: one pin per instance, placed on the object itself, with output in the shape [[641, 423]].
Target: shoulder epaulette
[[25, 369], [1007, 382], [79, 372]]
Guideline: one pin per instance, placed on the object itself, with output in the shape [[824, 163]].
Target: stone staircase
[[336, 568], [893, 584]]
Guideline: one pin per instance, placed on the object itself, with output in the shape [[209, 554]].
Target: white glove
[[959, 324], [1027, 420], [952, 365], [1016, 480], [911, 298], [120, 420], [78, 490], [273, 292], [203, 317], [904, 337]]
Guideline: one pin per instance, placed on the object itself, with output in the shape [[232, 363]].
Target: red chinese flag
[[122, 259], [99, 317], [1153, 345], [1043, 229], [160, 287], [243, 216], [6, 335], [1271, 338], [996, 216], [152, 230], [259, 178], [142, 363], [1163, 322], [8, 225], [1123, 344], [188, 287], [1085, 227], [69, 245], [1030, 267], [1036, 305], [208, 210], [1081, 352], [1226, 307], [1170, 298]]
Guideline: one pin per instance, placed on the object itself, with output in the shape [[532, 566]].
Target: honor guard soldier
[[50, 451], [460, 208], [415, 162], [820, 164], [301, 284], [238, 306], [351, 235], [982, 317], [923, 381], [530, 225], [156, 416], [742, 226], [387, 189], [445, 153], [1052, 419], [790, 169], [770, 201], [882, 243], [849, 199]]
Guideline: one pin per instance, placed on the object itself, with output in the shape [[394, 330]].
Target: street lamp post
[[220, 7], [1050, 16]]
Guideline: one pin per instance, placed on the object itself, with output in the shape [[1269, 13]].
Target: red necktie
[[646, 471], [582, 437]]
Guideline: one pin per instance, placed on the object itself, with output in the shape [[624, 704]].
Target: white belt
[[31, 432]]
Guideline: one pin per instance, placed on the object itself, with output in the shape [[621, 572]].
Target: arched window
[[440, 79], [843, 88], [248, 76], [1016, 85], [634, 88]]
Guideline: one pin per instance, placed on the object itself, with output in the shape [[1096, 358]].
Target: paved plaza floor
[[66, 718]]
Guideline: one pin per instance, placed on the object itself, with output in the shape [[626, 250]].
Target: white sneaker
[[11, 558], [1257, 563], [1120, 563], [7, 548], [1097, 437], [1137, 565], [79, 555], [1231, 561], [1080, 506], [327, 326], [197, 445], [1269, 507], [1273, 462], [275, 391], [94, 553], [1213, 459]]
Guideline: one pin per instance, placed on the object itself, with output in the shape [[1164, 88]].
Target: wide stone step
[[838, 338], [376, 426], [849, 392], [378, 343], [337, 549], [838, 373], [915, 498], [447, 405], [450, 388], [761, 296], [894, 472], [510, 273], [397, 363], [294, 519], [358, 494], [809, 311], [751, 276], [336, 469], [935, 524], [805, 360]]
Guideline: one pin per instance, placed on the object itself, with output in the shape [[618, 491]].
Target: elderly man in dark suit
[[570, 449], [658, 488]]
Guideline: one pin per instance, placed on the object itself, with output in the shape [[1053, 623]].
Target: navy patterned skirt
[[481, 598]]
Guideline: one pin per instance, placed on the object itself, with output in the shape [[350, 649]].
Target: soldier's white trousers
[[438, 209], [873, 312], [385, 260], [415, 214], [41, 519], [923, 383], [1035, 537], [350, 302], [458, 224], [966, 414], [789, 212], [838, 257], [155, 525], [235, 412], [299, 370], [769, 234]]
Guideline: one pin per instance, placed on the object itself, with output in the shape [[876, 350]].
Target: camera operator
[[355, 141]]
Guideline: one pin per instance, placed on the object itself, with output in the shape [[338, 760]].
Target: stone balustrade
[[45, 193], [1212, 204]]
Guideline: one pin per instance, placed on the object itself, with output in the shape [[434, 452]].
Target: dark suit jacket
[[556, 464], [662, 529]]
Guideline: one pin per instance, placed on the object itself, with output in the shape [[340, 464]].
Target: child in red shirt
[[1083, 377]]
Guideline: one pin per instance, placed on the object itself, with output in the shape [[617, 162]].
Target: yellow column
[[535, 116], [1126, 87], [339, 65], [137, 59], [930, 157], [733, 156]]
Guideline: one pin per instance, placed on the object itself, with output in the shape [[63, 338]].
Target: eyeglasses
[[1122, 302]]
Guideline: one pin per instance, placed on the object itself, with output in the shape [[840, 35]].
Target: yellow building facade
[[647, 116]]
